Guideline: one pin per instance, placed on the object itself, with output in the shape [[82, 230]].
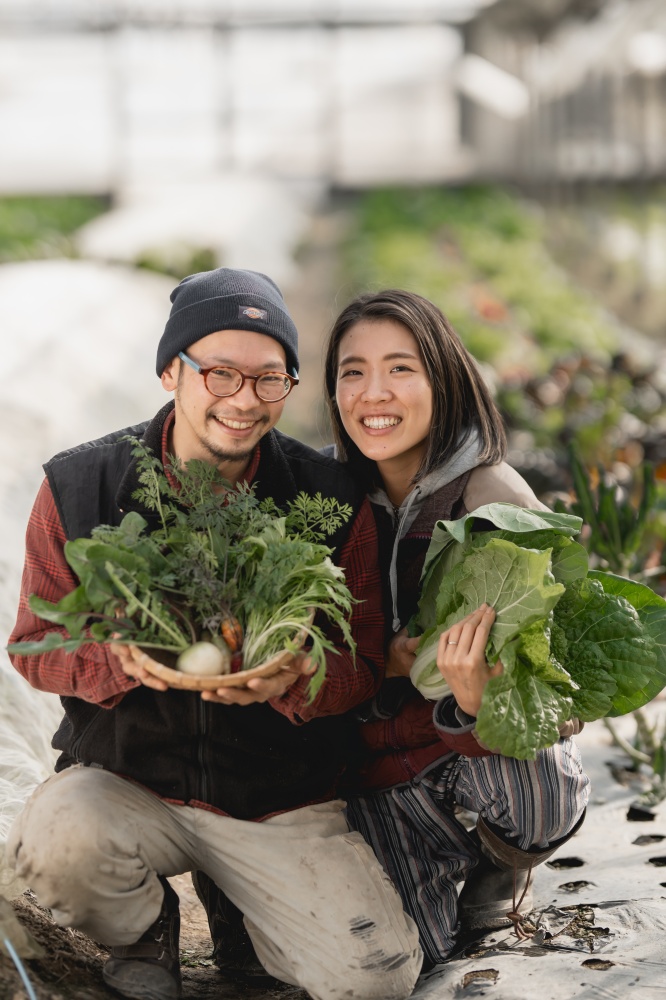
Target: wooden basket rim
[[196, 682]]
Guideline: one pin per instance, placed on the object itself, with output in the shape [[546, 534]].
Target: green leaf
[[54, 640], [88, 558], [509, 517], [72, 612], [437, 580], [520, 712], [587, 613], [651, 611], [516, 582], [594, 676], [569, 558], [637, 594]]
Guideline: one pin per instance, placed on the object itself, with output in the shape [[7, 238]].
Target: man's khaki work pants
[[320, 911]]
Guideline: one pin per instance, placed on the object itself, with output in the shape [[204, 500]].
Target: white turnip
[[204, 659]]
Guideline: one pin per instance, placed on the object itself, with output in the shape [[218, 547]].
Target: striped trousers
[[427, 852]]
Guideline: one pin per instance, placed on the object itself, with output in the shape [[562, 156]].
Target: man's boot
[[233, 951], [149, 969], [498, 893]]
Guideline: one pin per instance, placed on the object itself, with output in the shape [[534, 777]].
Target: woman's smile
[[384, 397], [380, 423]]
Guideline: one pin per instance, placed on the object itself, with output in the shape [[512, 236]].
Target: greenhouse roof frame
[[105, 14]]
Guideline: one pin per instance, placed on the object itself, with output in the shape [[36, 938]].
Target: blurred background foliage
[[37, 227], [480, 254]]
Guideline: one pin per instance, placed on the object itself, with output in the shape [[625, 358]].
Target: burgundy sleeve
[[349, 681], [457, 730], [92, 673]]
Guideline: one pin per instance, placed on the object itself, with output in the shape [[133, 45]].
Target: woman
[[413, 417]]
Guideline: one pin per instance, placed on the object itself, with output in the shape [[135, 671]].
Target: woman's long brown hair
[[462, 401]]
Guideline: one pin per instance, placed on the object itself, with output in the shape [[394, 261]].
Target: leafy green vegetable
[[524, 705], [216, 550], [651, 611], [572, 642]]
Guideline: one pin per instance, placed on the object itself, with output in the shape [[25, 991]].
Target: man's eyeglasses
[[224, 381]]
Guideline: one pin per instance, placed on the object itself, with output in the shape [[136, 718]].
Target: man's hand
[[131, 660], [461, 658], [260, 689], [400, 654]]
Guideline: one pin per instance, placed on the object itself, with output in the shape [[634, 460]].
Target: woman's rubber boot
[[498, 893]]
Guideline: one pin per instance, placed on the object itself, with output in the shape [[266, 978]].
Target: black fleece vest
[[247, 761]]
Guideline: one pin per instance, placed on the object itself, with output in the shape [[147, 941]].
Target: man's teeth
[[377, 423], [236, 425]]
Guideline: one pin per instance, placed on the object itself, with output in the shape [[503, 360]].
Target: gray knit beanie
[[226, 299]]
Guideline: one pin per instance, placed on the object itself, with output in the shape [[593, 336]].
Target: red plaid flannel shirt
[[93, 673]]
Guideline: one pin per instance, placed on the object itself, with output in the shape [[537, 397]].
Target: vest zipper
[[203, 730]]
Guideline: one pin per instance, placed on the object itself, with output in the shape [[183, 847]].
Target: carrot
[[231, 631]]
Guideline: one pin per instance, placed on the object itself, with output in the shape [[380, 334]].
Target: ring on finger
[[452, 642]]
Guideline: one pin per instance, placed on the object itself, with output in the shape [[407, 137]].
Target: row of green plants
[[478, 252], [39, 227]]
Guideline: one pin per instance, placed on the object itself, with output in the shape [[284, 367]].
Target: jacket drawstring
[[393, 571]]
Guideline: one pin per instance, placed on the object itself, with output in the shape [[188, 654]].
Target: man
[[238, 783]]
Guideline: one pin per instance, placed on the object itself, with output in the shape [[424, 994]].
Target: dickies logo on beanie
[[252, 312], [226, 299]]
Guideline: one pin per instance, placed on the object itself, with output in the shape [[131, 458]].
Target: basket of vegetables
[[207, 665], [219, 586]]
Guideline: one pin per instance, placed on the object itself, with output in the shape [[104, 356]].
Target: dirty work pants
[[321, 913], [426, 850]]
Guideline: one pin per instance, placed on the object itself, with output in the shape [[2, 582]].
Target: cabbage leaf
[[572, 642]]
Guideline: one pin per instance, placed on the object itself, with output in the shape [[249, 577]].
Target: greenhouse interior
[[505, 159]]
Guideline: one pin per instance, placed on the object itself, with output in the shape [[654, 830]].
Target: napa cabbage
[[573, 642]]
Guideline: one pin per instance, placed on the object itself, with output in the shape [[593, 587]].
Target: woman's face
[[383, 394]]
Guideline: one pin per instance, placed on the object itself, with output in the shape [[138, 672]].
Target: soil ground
[[71, 968]]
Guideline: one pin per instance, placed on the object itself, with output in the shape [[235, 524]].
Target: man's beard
[[220, 454], [228, 456]]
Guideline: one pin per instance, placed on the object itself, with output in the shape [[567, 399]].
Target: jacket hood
[[463, 460]]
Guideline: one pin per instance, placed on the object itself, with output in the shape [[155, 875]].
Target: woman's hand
[[461, 658], [400, 654]]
